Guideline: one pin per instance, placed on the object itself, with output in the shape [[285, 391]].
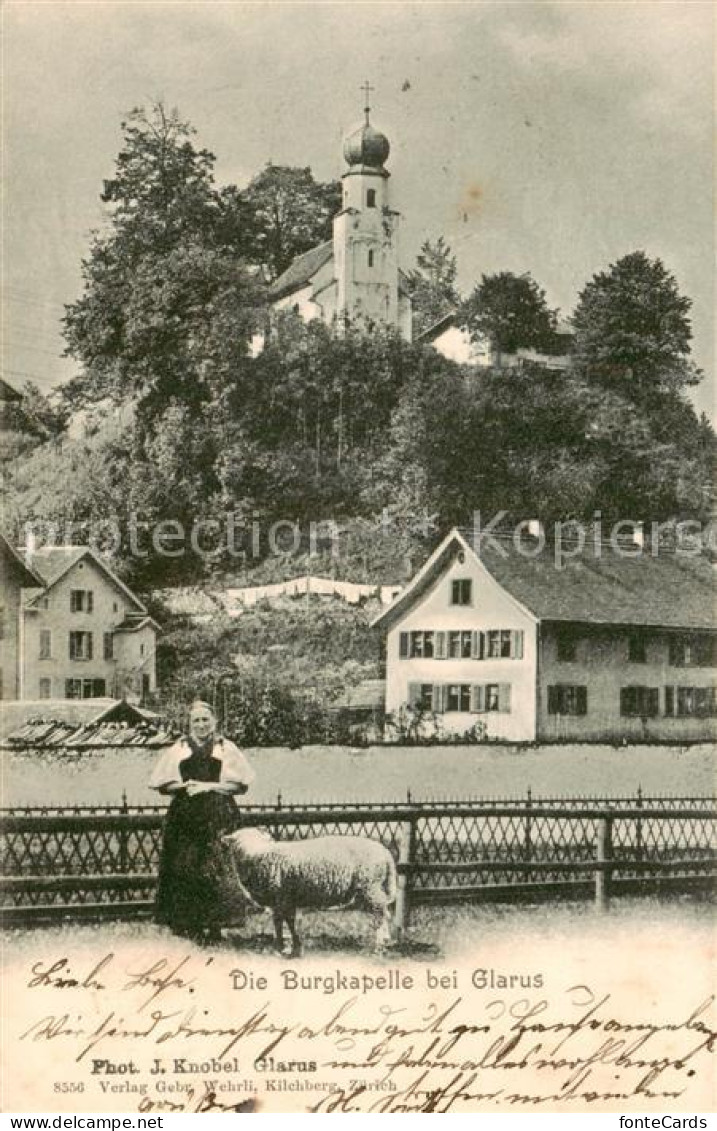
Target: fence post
[[124, 845], [406, 854], [603, 875], [528, 842], [638, 826]]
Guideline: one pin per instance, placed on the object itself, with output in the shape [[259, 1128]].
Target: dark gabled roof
[[11, 562], [302, 270], [601, 585], [436, 329], [135, 621], [604, 585], [8, 393]]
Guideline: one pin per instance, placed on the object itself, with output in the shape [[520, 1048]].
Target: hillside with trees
[[184, 420]]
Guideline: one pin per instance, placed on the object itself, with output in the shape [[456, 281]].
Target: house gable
[[53, 568]]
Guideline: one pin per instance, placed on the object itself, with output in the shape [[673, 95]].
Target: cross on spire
[[367, 90]]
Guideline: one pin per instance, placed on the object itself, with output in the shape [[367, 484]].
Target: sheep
[[321, 872]]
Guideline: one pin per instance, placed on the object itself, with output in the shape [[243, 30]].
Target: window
[[45, 644], [462, 644], [108, 646], [458, 697], [492, 697], [421, 697], [85, 688], [567, 648], [80, 645], [642, 702], [45, 688], [370, 258], [692, 651], [499, 643], [691, 702], [81, 600], [3, 614], [566, 699], [636, 650], [461, 591], [371, 198]]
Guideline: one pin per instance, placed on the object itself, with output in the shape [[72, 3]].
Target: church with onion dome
[[356, 274]]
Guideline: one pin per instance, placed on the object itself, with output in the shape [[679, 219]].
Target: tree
[[633, 330], [510, 312], [290, 213], [168, 305], [432, 283]]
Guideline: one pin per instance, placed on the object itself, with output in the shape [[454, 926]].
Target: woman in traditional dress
[[201, 773]]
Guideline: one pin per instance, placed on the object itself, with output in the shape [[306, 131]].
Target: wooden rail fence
[[99, 863]]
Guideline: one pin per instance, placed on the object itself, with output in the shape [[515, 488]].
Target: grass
[[379, 773]]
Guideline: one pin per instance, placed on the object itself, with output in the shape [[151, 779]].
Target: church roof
[[302, 270]]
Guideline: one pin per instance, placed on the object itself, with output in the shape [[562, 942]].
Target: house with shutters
[[83, 633], [611, 643]]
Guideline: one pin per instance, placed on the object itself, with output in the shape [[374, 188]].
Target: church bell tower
[[366, 231]]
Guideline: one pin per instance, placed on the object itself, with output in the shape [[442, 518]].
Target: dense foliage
[[186, 421]]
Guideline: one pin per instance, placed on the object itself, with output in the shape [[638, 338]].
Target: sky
[[549, 137]]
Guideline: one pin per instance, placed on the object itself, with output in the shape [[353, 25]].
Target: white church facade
[[356, 274]]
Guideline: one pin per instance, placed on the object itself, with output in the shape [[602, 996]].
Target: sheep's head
[[246, 842]]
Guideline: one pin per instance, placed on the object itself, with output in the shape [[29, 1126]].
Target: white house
[[455, 343], [617, 644], [84, 634]]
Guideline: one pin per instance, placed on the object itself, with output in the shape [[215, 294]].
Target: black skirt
[[188, 892]]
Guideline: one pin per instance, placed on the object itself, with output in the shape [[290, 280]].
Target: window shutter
[[481, 645], [89, 645], [626, 701], [518, 644], [440, 650], [479, 693], [90, 601], [669, 700], [475, 645], [553, 701], [582, 700], [504, 698], [414, 694], [653, 702], [439, 703], [403, 645]]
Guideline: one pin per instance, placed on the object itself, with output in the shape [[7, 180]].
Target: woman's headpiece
[[200, 705]]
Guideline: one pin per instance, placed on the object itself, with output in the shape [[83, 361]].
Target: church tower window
[[371, 198], [370, 259]]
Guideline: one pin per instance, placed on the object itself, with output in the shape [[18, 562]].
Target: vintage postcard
[[358, 682]]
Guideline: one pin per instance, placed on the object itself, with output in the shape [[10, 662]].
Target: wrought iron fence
[[102, 862]]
